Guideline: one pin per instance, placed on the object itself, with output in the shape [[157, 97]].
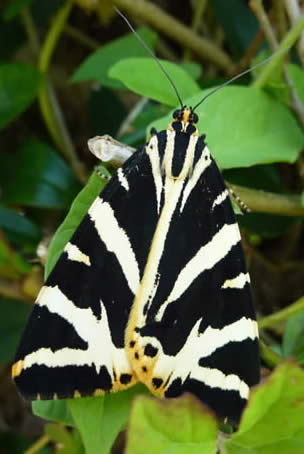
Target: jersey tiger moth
[[152, 287]]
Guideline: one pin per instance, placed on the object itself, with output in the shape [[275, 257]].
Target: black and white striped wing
[[192, 326], [74, 340]]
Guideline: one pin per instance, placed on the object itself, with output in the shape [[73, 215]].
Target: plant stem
[[294, 13], [40, 443], [269, 202], [30, 30], [199, 8], [80, 37], [264, 21], [290, 38], [162, 21], [271, 358], [258, 8], [282, 315], [48, 102]]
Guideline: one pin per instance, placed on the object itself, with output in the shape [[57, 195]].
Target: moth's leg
[[101, 175], [242, 205]]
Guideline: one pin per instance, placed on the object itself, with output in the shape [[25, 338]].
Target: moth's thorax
[[184, 122], [179, 155]]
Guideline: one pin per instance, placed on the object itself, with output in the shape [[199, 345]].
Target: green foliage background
[[69, 71]]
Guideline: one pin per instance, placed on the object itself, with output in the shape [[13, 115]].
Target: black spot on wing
[[157, 382], [150, 351], [125, 379], [49, 330], [63, 381]]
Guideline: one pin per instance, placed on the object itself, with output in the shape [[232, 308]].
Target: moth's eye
[[193, 117], [177, 114]]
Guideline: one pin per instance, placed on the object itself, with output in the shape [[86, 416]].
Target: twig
[[269, 202], [280, 18], [125, 125], [80, 37], [277, 60], [48, 102], [258, 9], [162, 21], [287, 42], [30, 30], [271, 358], [40, 443], [282, 315], [294, 13], [199, 8], [13, 289]]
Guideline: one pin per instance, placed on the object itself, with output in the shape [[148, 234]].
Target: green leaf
[[65, 438], [19, 85], [238, 23], [53, 410], [265, 177], [293, 339], [273, 421], [105, 121], [193, 69], [297, 76], [100, 419], [12, 264], [41, 178], [13, 318], [144, 77], [172, 426], [18, 229], [245, 127], [266, 225], [14, 7], [97, 65], [78, 210]]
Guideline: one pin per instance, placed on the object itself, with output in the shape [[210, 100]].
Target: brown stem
[[165, 23]]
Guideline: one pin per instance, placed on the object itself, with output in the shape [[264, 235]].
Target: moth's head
[[184, 120]]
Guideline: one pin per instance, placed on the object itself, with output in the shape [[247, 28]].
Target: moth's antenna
[[152, 54], [238, 76]]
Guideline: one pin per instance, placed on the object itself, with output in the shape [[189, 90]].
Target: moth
[[152, 287]]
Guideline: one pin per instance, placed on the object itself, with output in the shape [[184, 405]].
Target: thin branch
[[49, 105], [30, 30], [290, 38], [294, 13], [162, 21], [199, 9], [13, 289], [284, 46], [269, 202], [40, 443], [270, 358], [258, 9], [284, 314], [80, 37], [280, 18], [125, 125]]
